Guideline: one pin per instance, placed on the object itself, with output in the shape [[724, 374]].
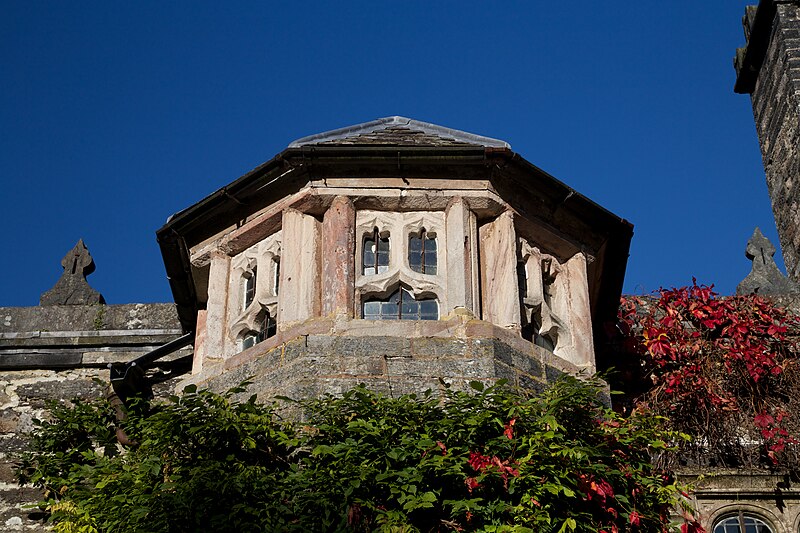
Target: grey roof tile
[[397, 131]]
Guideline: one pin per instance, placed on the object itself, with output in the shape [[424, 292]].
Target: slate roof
[[397, 131]]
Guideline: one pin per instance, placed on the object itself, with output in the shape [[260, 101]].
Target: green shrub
[[494, 460]]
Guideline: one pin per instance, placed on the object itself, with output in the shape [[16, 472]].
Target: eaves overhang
[[297, 162]]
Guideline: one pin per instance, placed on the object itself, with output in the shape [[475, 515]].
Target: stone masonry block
[[438, 347]]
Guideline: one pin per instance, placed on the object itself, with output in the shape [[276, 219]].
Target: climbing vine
[[723, 370]]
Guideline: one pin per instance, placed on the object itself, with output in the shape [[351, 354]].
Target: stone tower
[[768, 68]]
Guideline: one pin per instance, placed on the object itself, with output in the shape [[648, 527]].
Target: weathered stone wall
[[773, 498], [58, 353], [776, 108], [327, 357]]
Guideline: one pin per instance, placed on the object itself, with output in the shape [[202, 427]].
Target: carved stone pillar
[[462, 272], [299, 297], [216, 309], [338, 258], [574, 307], [199, 342], [500, 298]]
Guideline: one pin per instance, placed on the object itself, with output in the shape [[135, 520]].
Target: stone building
[[767, 68], [61, 350], [394, 253]]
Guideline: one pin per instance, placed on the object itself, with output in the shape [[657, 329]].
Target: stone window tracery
[[253, 311], [742, 523], [538, 280], [405, 268]]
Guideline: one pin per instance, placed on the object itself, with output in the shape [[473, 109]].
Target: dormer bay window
[[376, 253], [400, 305], [422, 252]]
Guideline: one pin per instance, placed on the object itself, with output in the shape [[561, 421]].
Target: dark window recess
[[531, 332], [422, 252], [276, 285], [376, 254], [401, 306], [267, 328], [249, 288], [548, 280]]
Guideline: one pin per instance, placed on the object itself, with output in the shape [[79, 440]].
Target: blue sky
[[116, 115]]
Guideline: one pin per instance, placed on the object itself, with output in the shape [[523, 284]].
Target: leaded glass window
[[376, 253], [742, 523], [422, 252], [276, 281], [249, 288], [267, 328], [401, 306]]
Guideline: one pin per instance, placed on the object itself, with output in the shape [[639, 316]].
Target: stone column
[[461, 256], [338, 258], [299, 297], [216, 310], [199, 342], [500, 294], [573, 307]]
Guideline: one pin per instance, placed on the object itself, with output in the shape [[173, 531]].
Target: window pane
[[369, 255], [409, 310], [372, 310], [430, 245], [389, 310], [249, 341], [429, 310], [415, 244], [249, 288], [392, 308], [751, 525], [277, 282]]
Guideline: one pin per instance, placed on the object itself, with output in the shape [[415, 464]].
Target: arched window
[[266, 328], [400, 306], [249, 288], [376, 253], [422, 252], [742, 523]]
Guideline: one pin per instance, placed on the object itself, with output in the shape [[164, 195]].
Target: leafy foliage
[[724, 371], [495, 460]]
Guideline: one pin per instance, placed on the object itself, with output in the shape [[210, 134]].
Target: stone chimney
[[768, 68]]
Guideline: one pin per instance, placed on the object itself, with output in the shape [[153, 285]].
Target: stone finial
[[72, 288], [764, 278]]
